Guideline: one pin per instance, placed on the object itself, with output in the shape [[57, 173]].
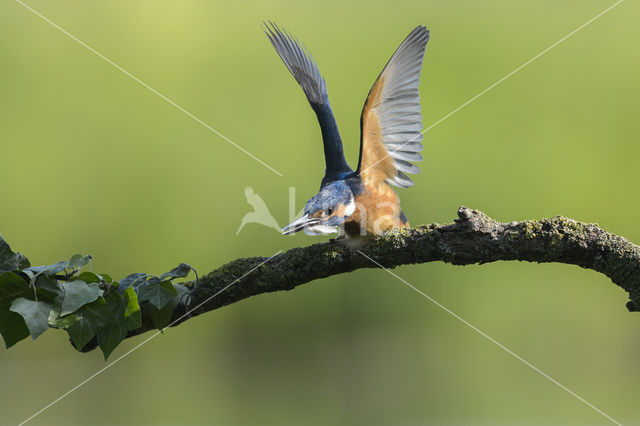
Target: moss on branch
[[472, 238]]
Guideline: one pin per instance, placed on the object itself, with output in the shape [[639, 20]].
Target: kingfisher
[[361, 203]]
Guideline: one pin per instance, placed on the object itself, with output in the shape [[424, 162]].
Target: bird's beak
[[298, 225]]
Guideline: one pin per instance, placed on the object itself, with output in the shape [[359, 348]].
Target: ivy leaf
[[57, 321], [132, 314], [23, 262], [12, 286], [110, 337], [77, 294], [158, 293], [81, 331], [88, 319], [34, 313], [162, 317], [180, 271], [96, 312], [12, 327], [48, 269], [89, 277], [10, 261], [182, 290], [132, 280], [115, 330], [106, 278], [48, 288], [78, 260]]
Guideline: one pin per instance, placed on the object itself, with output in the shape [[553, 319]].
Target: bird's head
[[325, 211]]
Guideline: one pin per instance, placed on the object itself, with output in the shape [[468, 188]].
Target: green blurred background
[[93, 162]]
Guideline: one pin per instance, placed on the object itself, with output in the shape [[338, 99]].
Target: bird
[[362, 203], [261, 213]]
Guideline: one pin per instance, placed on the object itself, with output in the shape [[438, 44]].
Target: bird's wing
[[300, 63], [306, 73], [391, 123]]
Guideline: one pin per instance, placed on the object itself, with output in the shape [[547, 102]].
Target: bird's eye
[[329, 211]]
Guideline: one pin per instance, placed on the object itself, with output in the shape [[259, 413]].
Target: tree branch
[[472, 238]]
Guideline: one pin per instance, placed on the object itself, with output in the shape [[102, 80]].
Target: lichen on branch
[[472, 238], [98, 311]]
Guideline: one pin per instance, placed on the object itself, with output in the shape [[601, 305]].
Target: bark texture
[[472, 238]]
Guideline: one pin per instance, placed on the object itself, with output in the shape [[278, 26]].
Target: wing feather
[[304, 69], [299, 63], [391, 122]]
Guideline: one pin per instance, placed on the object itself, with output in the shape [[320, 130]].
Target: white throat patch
[[350, 207]]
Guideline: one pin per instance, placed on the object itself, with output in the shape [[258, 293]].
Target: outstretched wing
[[300, 63], [305, 71], [391, 123]]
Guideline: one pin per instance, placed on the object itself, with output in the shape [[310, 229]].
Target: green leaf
[[49, 284], [133, 280], [89, 319], [158, 293], [78, 260], [182, 290], [12, 327], [12, 286], [89, 277], [184, 294], [180, 271], [162, 317], [110, 337], [81, 331], [57, 321], [132, 314], [48, 269], [10, 261], [34, 313], [116, 306], [48, 288], [111, 334], [12, 324], [96, 312], [77, 294], [106, 278], [23, 262]]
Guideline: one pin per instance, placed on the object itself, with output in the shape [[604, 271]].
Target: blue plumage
[[391, 134]]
